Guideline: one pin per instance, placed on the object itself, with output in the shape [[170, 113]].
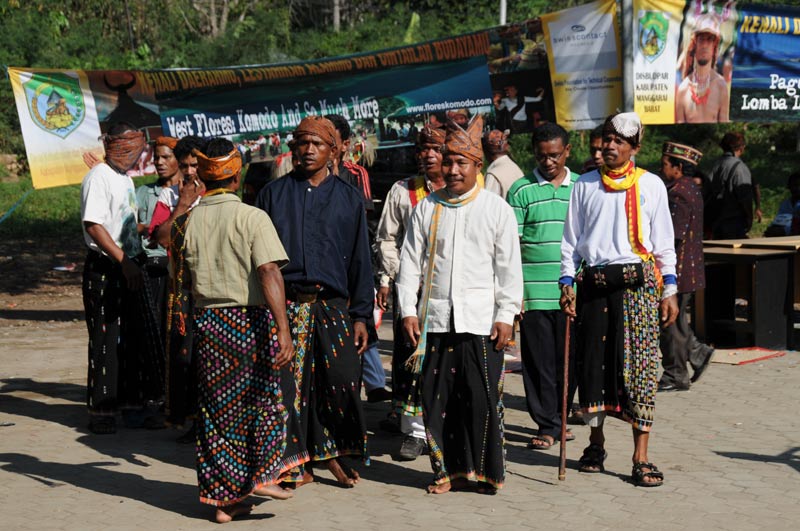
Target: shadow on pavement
[[23, 402], [18, 397], [42, 315], [790, 457], [178, 498]]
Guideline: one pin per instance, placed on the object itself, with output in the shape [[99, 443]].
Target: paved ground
[[730, 449]]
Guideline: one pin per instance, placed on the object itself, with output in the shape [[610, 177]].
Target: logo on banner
[[55, 102], [653, 28]]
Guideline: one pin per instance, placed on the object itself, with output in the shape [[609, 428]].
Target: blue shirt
[[324, 232]]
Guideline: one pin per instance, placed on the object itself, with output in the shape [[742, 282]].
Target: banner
[[386, 96], [714, 61], [583, 50], [766, 67]]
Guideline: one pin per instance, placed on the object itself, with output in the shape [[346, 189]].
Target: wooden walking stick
[[562, 458]]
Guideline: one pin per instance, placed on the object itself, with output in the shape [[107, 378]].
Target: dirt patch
[[40, 280]]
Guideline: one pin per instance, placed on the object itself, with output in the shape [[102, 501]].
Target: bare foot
[[439, 489], [308, 477], [454, 485], [345, 476], [273, 491], [226, 514]]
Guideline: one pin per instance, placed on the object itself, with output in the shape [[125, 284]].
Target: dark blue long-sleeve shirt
[[324, 232]]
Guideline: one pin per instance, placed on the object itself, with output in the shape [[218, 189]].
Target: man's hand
[[188, 193], [501, 335], [382, 298], [286, 352], [669, 311], [132, 274], [759, 215], [361, 336], [567, 300], [90, 159], [411, 329]]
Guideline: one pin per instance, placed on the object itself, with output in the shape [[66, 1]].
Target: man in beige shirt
[[400, 202], [502, 172], [234, 256]]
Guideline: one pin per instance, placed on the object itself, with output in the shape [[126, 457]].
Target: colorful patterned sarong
[[326, 404], [241, 430], [617, 341]]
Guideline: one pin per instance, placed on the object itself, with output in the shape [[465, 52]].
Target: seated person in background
[[787, 220]]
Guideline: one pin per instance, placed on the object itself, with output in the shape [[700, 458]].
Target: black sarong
[[462, 389], [321, 386], [122, 372], [617, 341]]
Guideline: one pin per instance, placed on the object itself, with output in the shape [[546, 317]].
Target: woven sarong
[[241, 429], [617, 343]]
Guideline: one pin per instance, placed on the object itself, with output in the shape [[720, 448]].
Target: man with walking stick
[[619, 231]]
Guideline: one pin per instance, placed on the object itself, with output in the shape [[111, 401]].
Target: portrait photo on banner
[[705, 62]]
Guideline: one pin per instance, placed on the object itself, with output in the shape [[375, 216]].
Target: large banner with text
[[701, 61]]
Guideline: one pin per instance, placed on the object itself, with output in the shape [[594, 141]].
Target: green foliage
[[51, 212]]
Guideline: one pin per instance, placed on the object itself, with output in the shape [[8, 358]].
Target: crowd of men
[[257, 321]]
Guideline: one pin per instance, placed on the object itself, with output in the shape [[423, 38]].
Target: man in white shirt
[[502, 171], [462, 248], [111, 278], [619, 231]]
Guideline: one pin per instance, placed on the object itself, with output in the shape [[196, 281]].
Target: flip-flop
[[541, 442], [543, 438]]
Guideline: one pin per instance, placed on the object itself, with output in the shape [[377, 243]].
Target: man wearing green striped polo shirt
[[540, 202]]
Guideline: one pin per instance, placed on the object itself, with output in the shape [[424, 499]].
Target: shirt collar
[[219, 198], [462, 196], [542, 181]]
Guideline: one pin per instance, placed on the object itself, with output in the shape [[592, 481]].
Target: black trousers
[[542, 348], [679, 346]]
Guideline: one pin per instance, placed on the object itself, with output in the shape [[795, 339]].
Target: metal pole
[[627, 40], [502, 12]]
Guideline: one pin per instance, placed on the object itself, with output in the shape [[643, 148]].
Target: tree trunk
[[337, 16]]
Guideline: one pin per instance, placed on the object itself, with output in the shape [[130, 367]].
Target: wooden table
[[761, 276]]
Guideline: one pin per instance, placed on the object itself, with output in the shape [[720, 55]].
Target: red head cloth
[[123, 150], [466, 142], [218, 168], [495, 142], [431, 135], [168, 141], [317, 126]]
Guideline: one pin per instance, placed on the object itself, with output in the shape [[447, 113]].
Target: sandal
[[103, 425], [591, 462], [545, 442], [541, 442], [643, 471]]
